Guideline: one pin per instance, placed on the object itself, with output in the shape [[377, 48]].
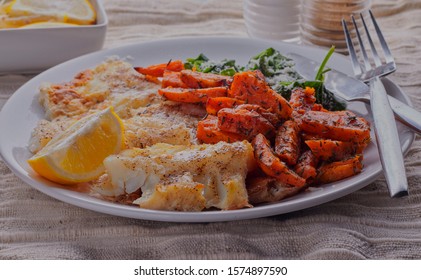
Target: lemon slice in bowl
[[77, 154], [71, 11]]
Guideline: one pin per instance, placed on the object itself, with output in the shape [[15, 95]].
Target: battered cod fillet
[[181, 178]]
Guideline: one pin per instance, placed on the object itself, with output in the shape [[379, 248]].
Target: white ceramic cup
[[272, 19]]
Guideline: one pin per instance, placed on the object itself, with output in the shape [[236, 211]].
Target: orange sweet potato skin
[[194, 79], [192, 95], [268, 189], [157, 70], [306, 166], [287, 142], [302, 100], [272, 165], [244, 122], [214, 104], [172, 79], [271, 117], [332, 150], [340, 125], [250, 87], [339, 170], [209, 133]]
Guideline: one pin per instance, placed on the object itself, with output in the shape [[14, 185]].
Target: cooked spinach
[[278, 70], [282, 77], [202, 63]]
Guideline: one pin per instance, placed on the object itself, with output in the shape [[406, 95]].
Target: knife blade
[[351, 89]]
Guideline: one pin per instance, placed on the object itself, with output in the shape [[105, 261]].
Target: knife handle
[[406, 114], [387, 138]]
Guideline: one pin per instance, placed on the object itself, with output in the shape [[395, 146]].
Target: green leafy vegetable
[[278, 70], [283, 78], [322, 70], [323, 95], [201, 63]]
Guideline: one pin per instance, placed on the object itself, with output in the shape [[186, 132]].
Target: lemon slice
[[48, 24], [77, 154], [72, 11]]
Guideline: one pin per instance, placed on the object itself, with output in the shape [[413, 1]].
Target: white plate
[[22, 112]]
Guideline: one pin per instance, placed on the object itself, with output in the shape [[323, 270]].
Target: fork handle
[[387, 138], [406, 114]]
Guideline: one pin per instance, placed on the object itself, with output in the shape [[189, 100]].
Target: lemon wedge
[[77, 154], [71, 11], [48, 24]]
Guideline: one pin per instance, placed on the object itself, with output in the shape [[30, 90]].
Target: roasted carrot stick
[[287, 142], [251, 87], [244, 122], [194, 79], [157, 70], [209, 133], [306, 165], [215, 104], [339, 170], [340, 125], [198, 95], [273, 166]]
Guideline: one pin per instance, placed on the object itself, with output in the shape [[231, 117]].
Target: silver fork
[[384, 122]]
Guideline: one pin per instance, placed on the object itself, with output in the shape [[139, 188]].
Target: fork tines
[[379, 69]]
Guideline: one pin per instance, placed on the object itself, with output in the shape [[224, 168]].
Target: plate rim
[[115, 209]]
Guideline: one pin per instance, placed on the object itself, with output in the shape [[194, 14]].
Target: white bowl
[[36, 49]]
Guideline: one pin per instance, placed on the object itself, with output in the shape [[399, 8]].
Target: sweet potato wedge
[[302, 100], [252, 88], [271, 117], [306, 165], [209, 133], [273, 166], [172, 79], [339, 125], [195, 95], [214, 104], [339, 170], [268, 189], [287, 142], [333, 150], [157, 70], [194, 79], [244, 122]]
